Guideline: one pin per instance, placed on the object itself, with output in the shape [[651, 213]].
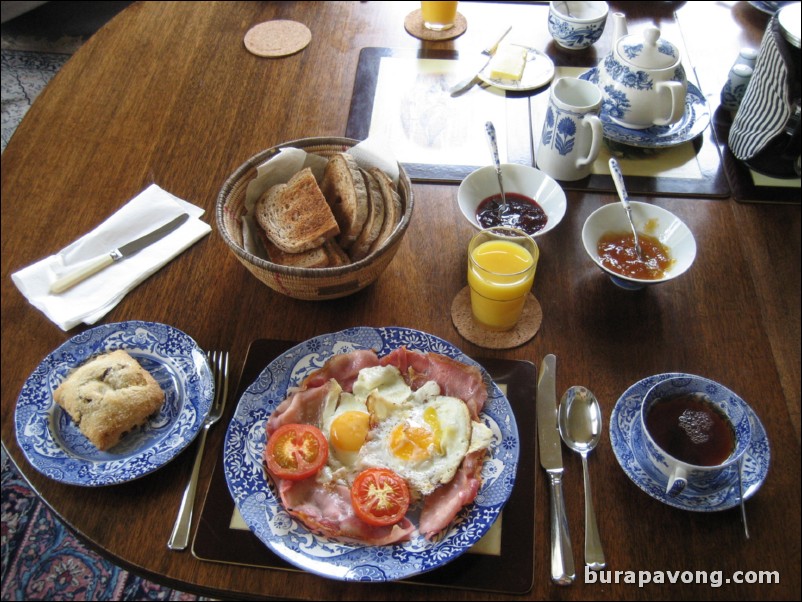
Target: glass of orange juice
[[501, 269], [438, 16]]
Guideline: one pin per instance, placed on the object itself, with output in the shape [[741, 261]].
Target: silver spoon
[[580, 423], [491, 138], [741, 495], [618, 179]]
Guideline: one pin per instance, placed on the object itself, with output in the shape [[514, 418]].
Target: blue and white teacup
[[577, 25], [572, 132], [694, 425]]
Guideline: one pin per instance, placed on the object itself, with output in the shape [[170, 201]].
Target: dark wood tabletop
[[166, 93]]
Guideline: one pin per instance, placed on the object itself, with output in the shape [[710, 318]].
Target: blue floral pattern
[[575, 37]]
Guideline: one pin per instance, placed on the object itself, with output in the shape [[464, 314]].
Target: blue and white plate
[[625, 429], [694, 121], [55, 446], [259, 505]]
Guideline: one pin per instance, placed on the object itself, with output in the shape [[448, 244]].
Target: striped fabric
[[766, 106]]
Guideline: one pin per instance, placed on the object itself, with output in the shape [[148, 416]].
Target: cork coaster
[[526, 328], [414, 26], [277, 38]]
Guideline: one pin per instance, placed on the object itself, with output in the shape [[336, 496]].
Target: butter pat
[[508, 62]]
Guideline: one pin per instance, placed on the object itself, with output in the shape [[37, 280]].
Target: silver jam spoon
[[491, 139], [580, 423], [618, 179]]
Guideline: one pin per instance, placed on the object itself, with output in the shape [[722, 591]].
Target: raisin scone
[[108, 396]]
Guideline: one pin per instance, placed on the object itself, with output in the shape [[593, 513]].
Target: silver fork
[[180, 536]]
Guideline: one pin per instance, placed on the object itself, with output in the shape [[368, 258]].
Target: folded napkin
[[93, 298], [289, 161]]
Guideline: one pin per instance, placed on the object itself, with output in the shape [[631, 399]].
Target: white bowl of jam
[[668, 247], [535, 202]]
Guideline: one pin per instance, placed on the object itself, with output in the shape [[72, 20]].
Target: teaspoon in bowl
[[580, 423], [618, 179], [491, 139]]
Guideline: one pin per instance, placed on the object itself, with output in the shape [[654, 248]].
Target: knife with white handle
[[548, 435], [489, 52], [69, 280]]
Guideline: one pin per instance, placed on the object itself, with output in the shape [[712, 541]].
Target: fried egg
[[422, 439], [421, 435]]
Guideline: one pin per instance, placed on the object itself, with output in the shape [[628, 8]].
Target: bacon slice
[[301, 407], [344, 368], [455, 378], [326, 509], [443, 505]]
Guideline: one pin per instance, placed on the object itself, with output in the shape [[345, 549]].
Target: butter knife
[[135, 246], [562, 557], [489, 51]]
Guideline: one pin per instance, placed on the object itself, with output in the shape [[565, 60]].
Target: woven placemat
[[527, 326], [413, 23]]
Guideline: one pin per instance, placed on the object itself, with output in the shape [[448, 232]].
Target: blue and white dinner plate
[[257, 501], [693, 122], [55, 446], [625, 427]]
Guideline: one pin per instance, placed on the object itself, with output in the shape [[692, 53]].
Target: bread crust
[[295, 215], [345, 191], [108, 396], [393, 207], [373, 224]]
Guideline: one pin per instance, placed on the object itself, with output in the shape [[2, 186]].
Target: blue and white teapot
[[642, 80]]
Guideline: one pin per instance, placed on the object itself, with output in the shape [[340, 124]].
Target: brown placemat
[[511, 571], [524, 330], [413, 23]]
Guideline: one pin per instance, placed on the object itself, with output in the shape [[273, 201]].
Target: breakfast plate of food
[[348, 455], [114, 403]]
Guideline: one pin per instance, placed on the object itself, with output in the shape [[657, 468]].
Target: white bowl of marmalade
[[668, 247], [535, 203]]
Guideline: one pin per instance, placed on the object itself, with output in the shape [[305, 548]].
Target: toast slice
[[393, 208], [295, 215], [337, 256], [373, 224], [313, 258], [346, 193]]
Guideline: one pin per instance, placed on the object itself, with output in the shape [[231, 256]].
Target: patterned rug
[[41, 559]]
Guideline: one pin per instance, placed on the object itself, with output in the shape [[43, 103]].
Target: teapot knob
[[651, 35]]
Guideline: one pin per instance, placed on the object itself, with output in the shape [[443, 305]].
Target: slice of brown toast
[[295, 215], [347, 195], [373, 225], [393, 208], [313, 258]]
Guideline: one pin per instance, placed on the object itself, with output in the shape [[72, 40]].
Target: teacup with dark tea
[[693, 429]]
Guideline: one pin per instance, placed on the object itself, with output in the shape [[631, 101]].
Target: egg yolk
[[349, 429], [414, 443]]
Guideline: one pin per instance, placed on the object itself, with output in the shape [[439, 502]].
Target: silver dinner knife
[[489, 52], [72, 278], [562, 557]]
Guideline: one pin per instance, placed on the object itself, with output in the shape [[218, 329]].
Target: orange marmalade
[[617, 253]]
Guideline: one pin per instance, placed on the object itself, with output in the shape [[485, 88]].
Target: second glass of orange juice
[[439, 16], [501, 269]]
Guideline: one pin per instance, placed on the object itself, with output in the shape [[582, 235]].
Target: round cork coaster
[[277, 38], [414, 26], [527, 326]]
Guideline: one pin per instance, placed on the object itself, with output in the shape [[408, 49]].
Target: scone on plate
[[109, 396]]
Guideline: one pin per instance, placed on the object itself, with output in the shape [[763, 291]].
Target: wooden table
[[166, 93]]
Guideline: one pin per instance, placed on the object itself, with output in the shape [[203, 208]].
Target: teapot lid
[[647, 51]]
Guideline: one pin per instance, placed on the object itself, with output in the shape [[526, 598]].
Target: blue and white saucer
[[694, 121], [625, 428]]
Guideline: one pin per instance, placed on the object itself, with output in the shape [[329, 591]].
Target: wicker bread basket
[[305, 283]]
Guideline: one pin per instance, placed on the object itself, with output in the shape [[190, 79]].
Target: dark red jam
[[521, 212]]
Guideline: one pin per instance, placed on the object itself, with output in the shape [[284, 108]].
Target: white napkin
[[93, 298], [289, 161]]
